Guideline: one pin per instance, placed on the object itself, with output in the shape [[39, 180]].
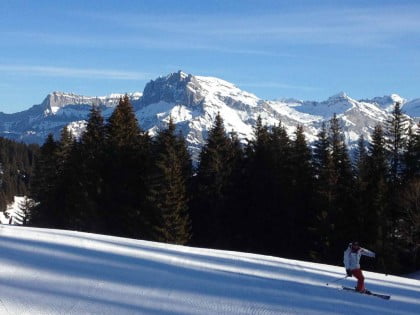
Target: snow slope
[[63, 272]]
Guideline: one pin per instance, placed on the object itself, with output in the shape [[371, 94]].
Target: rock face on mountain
[[194, 101], [176, 88]]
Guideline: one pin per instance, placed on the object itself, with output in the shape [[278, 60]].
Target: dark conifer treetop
[[123, 129]]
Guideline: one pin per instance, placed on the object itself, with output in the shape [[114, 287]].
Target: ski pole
[[336, 280]]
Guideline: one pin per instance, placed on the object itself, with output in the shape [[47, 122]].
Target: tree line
[[16, 165], [275, 195]]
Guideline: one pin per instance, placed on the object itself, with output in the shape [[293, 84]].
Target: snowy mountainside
[[386, 102], [409, 107], [194, 101], [56, 111], [64, 272]]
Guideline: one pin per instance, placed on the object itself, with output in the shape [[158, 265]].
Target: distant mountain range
[[194, 101]]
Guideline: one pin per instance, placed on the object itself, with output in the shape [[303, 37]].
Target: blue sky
[[302, 49]]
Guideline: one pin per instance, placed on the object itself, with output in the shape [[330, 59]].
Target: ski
[[382, 296]]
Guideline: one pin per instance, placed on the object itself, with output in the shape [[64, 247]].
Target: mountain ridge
[[194, 101]]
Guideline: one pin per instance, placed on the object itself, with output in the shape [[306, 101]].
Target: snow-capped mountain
[[357, 117], [56, 102], [56, 111], [194, 101], [386, 102]]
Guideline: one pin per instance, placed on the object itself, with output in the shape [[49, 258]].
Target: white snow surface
[[63, 272], [13, 210]]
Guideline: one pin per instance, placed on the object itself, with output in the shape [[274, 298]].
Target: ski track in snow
[[63, 272]]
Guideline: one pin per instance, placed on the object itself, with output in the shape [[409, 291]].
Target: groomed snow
[[63, 272]]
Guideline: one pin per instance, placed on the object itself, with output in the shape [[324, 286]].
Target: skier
[[352, 264]]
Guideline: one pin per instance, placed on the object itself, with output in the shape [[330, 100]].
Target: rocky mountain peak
[[341, 96], [58, 100], [177, 88]]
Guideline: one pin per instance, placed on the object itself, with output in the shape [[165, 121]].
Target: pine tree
[[335, 192], [322, 157], [375, 226], [339, 155], [16, 167], [282, 218], [408, 200], [259, 179], [361, 170], [409, 225], [281, 147], [411, 156], [172, 168], [236, 227], [71, 197], [44, 184], [302, 160], [122, 128], [26, 207], [214, 174], [303, 194], [127, 162], [416, 150], [396, 132], [269, 207], [397, 129], [94, 136], [68, 172], [91, 181], [322, 226], [360, 158], [65, 146], [344, 216]]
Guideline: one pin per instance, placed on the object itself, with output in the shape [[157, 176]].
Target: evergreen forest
[[17, 161], [275, 195]]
